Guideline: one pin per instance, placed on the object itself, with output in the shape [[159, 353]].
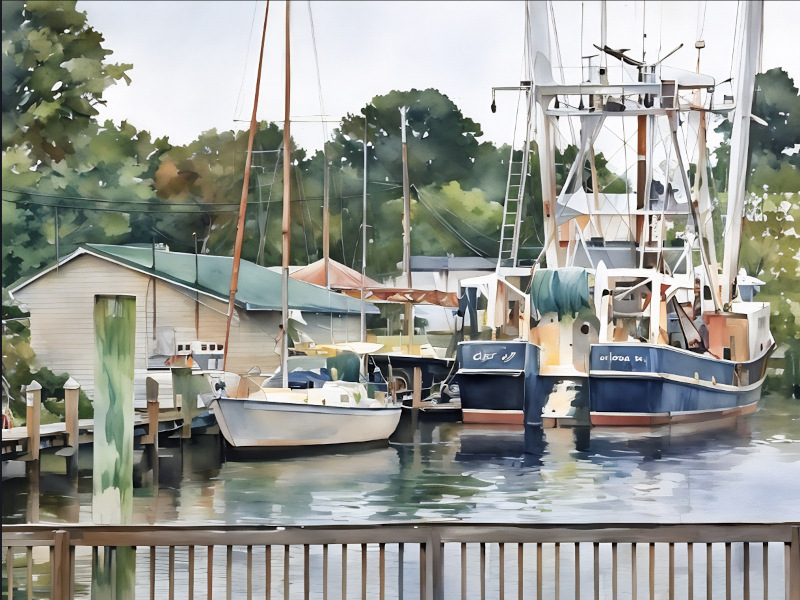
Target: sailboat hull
[[262, 423], [643, 384]]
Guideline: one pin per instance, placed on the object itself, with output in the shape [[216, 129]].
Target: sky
[[194, 63]]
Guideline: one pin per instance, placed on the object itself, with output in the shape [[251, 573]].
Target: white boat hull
[[264, 423]]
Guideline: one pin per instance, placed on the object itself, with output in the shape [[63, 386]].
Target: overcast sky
[[194, 62]]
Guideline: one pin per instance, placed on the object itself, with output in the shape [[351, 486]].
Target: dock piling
[[71, 395], [33, 400], [151, 437]]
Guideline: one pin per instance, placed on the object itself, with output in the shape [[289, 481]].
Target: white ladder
[[515, 191]]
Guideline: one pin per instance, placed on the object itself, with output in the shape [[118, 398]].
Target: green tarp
[[563, 290]]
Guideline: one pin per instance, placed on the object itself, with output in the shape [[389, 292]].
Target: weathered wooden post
[[151, 386], [71, 394], [33, 400], [186, 386], [416, 394], [112, 497]]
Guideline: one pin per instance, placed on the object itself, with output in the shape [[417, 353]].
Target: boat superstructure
[[634, 306]]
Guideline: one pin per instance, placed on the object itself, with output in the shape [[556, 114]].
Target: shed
[[180, 298]]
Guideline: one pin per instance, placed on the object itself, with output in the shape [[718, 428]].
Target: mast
[[364, 244], [752, 23], [287, 163], [237, 252], [406, 203]]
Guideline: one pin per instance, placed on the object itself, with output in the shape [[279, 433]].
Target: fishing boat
[[319, 408], [636, 320]]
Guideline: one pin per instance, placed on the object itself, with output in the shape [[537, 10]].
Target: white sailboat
[[326, 409]]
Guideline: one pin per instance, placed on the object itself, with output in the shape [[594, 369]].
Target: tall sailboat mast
[[287, 163], [237, 251]]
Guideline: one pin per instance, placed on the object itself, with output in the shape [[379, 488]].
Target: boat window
[[203, 346]]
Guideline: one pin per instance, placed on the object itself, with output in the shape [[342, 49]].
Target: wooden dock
[[17, 440], [25, 443]]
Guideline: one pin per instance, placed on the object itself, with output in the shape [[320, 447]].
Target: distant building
[[180, 298]]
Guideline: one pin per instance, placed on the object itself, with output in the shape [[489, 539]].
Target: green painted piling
[[112, 492]]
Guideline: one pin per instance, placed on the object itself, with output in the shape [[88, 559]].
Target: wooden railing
[[426, 560]]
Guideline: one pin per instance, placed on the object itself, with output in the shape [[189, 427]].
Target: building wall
[[61, 304]]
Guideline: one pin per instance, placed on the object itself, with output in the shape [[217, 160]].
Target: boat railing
[[422, 560]]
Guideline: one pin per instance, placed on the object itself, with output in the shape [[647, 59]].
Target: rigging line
[[122, 211], [240, 98], [300, 192], [560, 64], [450, 212], [452, 230], [319, 81]]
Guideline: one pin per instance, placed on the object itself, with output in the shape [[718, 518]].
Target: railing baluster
[[423, 566], [171, 573], [229, 572], [286, 575], [306, 571], [709, 585], [520, 577], [539, 574], [325, 571], [191, 572], [268, 571], [765, 568], [634, 574], [558, 570], [400, 552], [10, 571], [382, 569], [652, 571], [501, 558], [690, 571], [152, 573], [210, 573], [463, 571], [671, 571], [363, 571], [344, 571], [746, 578], [249, 572], [577, 547], [727, 569], [29, 563], [614, 570], [483, 570], [596, 571]]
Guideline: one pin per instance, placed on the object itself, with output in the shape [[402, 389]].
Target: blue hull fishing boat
[[634, 316]]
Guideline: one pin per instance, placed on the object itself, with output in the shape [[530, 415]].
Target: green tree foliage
[[67, 179], [449, 169], [770, 241]]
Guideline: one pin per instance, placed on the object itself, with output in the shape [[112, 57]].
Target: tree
[[67, 179]]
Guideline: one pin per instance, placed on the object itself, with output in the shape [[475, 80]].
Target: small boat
[[313, 407], [337, 412]]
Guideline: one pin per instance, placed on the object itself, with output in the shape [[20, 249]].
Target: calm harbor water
[[745, 471]]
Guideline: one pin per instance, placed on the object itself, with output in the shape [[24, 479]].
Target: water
[[745, 471]]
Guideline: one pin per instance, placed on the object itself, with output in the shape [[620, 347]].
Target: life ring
[[7, 422]]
